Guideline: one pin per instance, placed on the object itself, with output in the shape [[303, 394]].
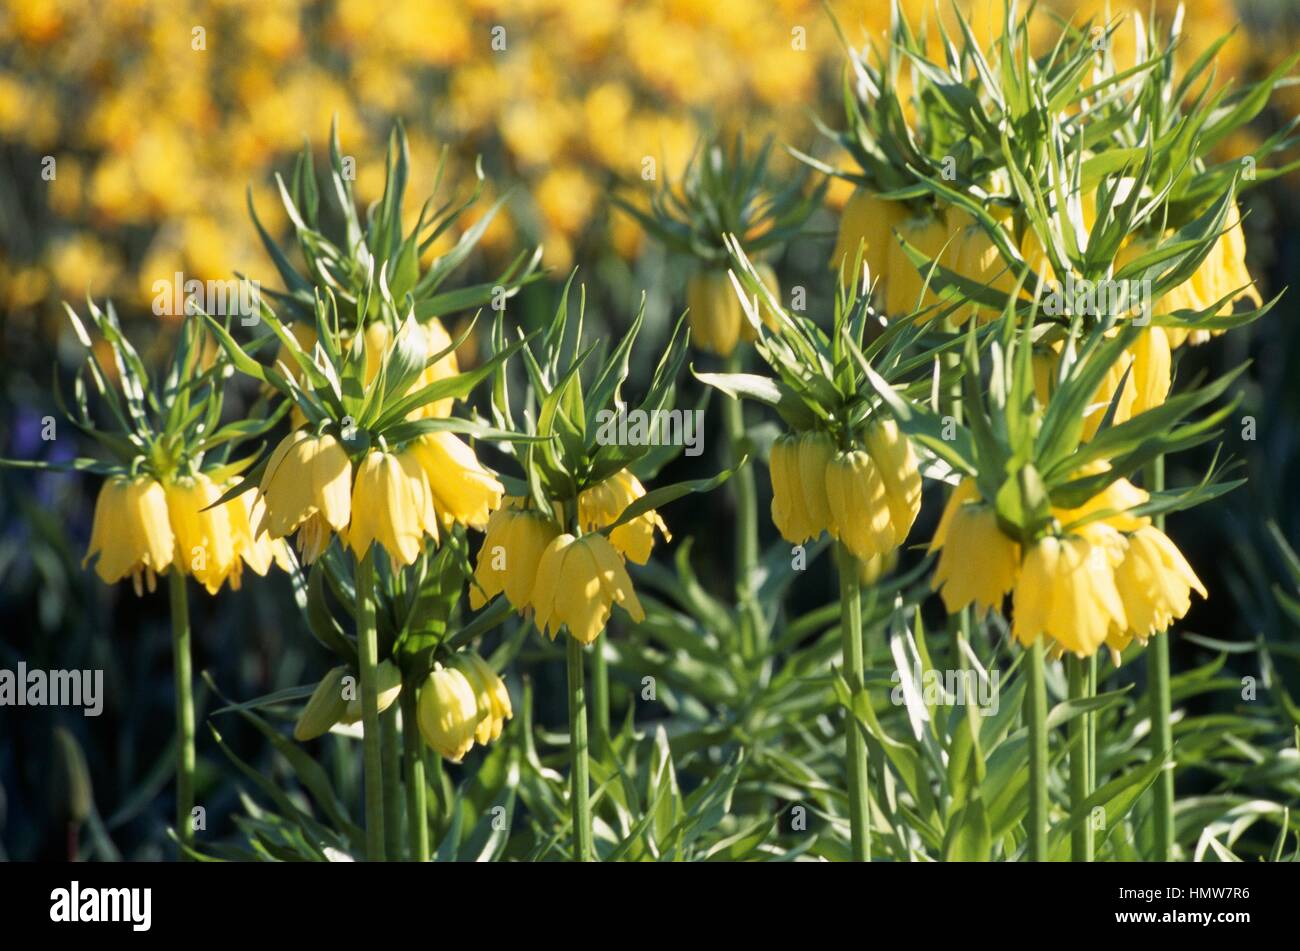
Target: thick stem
[[181, 669], [600, 693], [417, 818], [371, 743], [1080, 769], [579, 790], [854, 742], [746, 537], [1036, 716], [392, 756], [1161, 710]]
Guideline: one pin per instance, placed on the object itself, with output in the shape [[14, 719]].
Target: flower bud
[[388, 684], [490, 694], [448, 713], [325, 708]]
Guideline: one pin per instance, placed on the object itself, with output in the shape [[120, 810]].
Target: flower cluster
[[567, 580], [867, 498], [142, 527], [462, 703], [1106, 577], [395, 498]]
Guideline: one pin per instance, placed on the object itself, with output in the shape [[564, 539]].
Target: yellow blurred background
[[158, 114]]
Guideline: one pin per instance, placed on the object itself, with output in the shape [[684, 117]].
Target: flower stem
[[181, 668], [1091, 720], [417, 818], [600, 693], [371, 743], [1036, 715], [854, 742], [579, 792], [1081, 842], [746, 539], [1161, 709], [1162, 741], [392, 757]]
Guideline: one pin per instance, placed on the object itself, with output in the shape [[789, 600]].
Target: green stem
[[600, 693], [442, 803], [1161, 710], [371, 744], [392, 757], [1162, 743], [580, 791], [1091, 720], [1036, 715], [181, 669], [746, 538], [417, 818], [1081, 842], [855, 743]]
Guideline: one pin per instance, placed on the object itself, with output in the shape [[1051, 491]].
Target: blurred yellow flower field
[[157, 114]]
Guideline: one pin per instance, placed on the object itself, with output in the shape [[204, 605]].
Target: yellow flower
[[789, 509], [490, 694], [439, 340], [307, 476], [257, 552], [603, 503], [858, 509], [977, 562], [448, 713], [131, 534], [463, 490], [896, 461], [377, 341], [508, 560], [1066, 591], [871, 220], [1034, 255], [578, 580], [1155, 583], [1119, 498], [1222, 273], [873, 569], [928, 234], [392, 505], [1186, 296], [313, 538], [205, 547], [305, 334], [1150, 376], [978, 259], [816, 449], [1148, 365], [715, 314]]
